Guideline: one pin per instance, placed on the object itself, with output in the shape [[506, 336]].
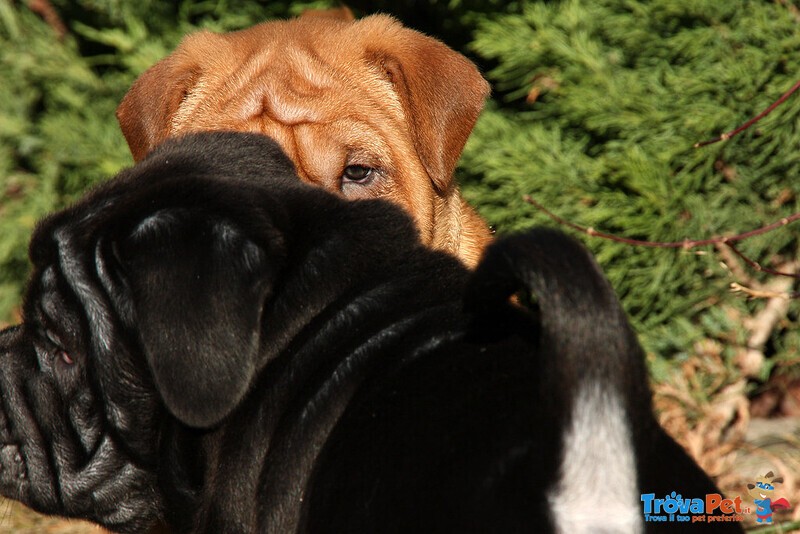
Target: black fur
[[210, 343]]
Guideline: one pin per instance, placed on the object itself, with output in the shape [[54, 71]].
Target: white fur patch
[[597, 491]]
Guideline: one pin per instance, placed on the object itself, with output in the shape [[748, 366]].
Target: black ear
[[197, 286]]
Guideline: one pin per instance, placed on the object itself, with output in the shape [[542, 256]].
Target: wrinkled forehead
[[319, 103], [65, 278], [295, 72]]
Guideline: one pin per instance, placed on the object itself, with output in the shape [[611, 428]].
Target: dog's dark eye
[[357, 174], [64, 357]]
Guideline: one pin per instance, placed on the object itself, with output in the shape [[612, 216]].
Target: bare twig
[[45, 9], [757, 266], [685, 244], [732, 263], [762, 293], [746, 125]]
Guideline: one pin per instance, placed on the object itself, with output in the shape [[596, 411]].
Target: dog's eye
[[357, 174], [64, 357]]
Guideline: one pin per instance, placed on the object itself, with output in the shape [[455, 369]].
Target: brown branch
[[731, 262], [757, 266], [746, 125], [685, 244], [45, 9]]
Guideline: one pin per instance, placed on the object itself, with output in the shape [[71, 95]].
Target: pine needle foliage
[[599, 104]]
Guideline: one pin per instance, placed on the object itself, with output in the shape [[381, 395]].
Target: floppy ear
[[196, 287], [146, 111], [442, 94]]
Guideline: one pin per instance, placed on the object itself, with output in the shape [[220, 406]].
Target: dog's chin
[[28, 481], [109, 491], [25, 473]]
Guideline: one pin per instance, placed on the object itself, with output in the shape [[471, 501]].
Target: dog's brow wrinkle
[[252, 107], [289, 111], [290, 98], [106, 280], [190, 103], [227, 231], [159, 221], [86, 421], [390, 97], [253, 255], [232, 238], [314, 70], [78, 279], [48, 278]]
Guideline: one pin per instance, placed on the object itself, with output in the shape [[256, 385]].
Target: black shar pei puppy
[[209, 343]]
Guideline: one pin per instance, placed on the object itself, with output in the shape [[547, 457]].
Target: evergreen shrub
[[598, 105]]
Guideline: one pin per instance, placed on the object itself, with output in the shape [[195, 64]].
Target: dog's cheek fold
[[112, 275], [86, 421]]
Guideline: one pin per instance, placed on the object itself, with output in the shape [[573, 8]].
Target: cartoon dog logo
[[761, 492]]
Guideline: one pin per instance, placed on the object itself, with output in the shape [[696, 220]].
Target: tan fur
[[333, 92]]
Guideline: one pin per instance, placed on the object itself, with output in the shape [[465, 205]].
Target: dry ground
[[16, 519]]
